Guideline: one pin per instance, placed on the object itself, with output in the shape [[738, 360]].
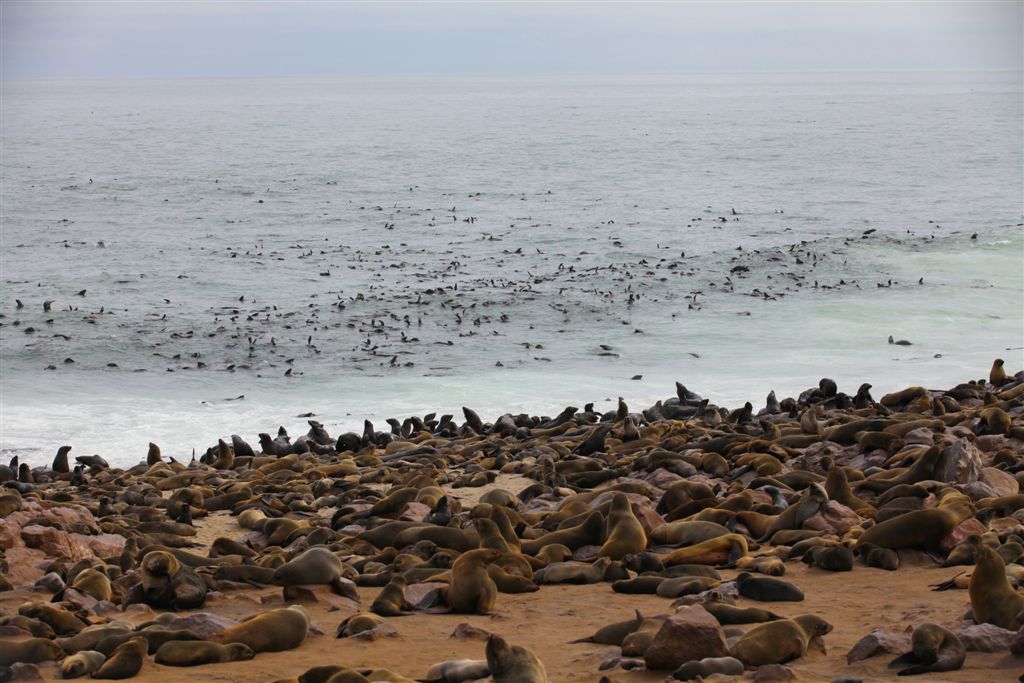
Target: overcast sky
[[78, 39]]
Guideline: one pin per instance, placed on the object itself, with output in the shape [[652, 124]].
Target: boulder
[[54, 542], [1003, 483], [968, 527], [102, 545], [1017, 646], [774, 673], [922, 436], [203, 624], [690, 633], [414, 512], [879, 643], [959, 463], [833, 517], [23, 565], [986, 638]]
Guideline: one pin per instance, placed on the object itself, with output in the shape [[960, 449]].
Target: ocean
[[373, 248]]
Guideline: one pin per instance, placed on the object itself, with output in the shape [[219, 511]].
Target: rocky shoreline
[[451, 550]]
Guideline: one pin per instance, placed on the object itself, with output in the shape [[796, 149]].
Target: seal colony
[[685, 540]]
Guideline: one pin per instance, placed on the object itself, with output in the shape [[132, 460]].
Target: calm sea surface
[[363, 248]]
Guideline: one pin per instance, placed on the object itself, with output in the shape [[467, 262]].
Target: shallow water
[[336, 208]]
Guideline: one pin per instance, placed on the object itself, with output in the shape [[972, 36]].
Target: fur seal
[[275, 630], [170, 584], [196, 653], [625, 533], [81, 663], [767, 589], [778, 642], [315, 566], [993, 599], [720, 550], [933, 648], [125, 661], [921, 529], [457, 671], [357, 623], [471, 589], [513, 663], [30, 651], [707, 667], [391, 601]]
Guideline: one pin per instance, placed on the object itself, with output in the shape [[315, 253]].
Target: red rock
[[690, 633], [1017, 646], [102, 545], [986, 638], [465, 631], [203, 624], [774, 673], [834, 517], [961, 531], [879, 643], [1003, 483], [23, 565], [960, 463], [990, 443], [662, 478], [54, 542], [922, 436], [414, 512]]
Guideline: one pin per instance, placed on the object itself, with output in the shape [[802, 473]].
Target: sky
[[41, 39]]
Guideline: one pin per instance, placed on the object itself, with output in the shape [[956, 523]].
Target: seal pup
[[81, 663], [933, 648], [707, 667]]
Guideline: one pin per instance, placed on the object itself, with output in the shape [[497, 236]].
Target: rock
[[662, 478], [54, 542], [642, 507], [1003, 483], [379, 631], [968, 527], [417, 593], [977, 490], [833, 517], [959, 463], [203, 624], [20, 671], [465, 631], [22, 565], [10, 532], [690, 633], [102, 545], [315, 594], [774, 673], [726, 592], [414, 512], [878, 643], [990, 443], [1017, 646], [923, 436], [986, 638], [81, 600]]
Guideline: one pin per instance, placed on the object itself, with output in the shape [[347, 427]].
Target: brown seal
[[933, 648], [196, 653], [778, 642], [471, 589], [125, 661], [625, 533], [275, 630], [30, 651], [81, 663], [513, 663], [993, 599]]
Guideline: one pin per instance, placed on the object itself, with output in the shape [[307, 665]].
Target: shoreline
[[817, 470]]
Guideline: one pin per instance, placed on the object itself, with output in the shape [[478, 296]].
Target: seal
[[833, 558], [707, 667], [125, 661], [93, 583], [625, 533], [391, 601], [997, 375], [357, 623], [920, 529], [612, 634], [30, 651], [169, 584], [81, 663], [993, 599], [275, 630], [778, 642], [457, 671], [933, 648], [767, 589], [513, 663], [196, 653], [727, 614], [471, 589], [60, 461], [720, 550], [316, 566]]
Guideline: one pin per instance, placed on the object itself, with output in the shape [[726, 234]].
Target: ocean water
[[405, 246]]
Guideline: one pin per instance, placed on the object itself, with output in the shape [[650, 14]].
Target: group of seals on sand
[[661, 501]]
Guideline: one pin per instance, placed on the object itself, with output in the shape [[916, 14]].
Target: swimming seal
[[512, 663], [196, 653]]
